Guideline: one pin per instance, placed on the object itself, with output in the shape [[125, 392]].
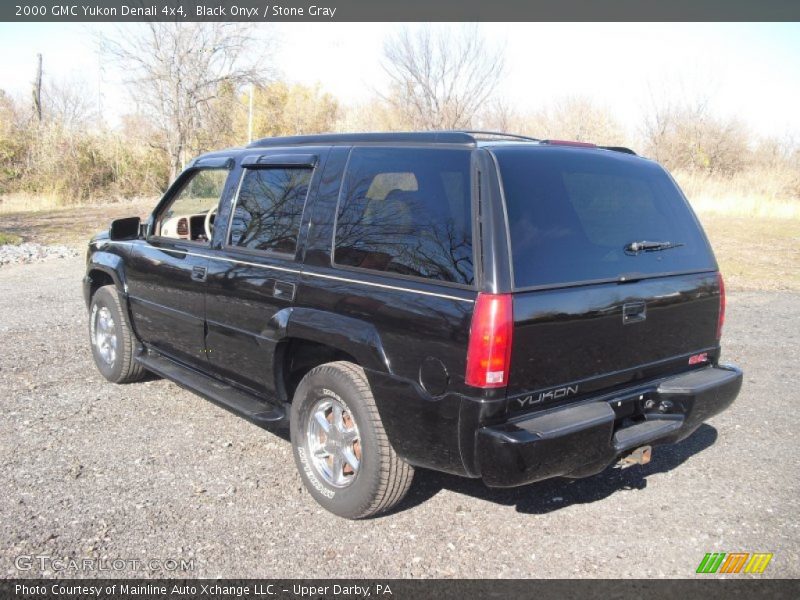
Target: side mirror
[[124, 229]]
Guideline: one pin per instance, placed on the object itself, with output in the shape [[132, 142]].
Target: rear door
[[253, 270], [614, 279]]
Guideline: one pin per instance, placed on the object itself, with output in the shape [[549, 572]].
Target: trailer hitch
[[640, 456]]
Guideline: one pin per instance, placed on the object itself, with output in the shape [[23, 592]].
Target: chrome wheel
[[333, 442], [104, 335]]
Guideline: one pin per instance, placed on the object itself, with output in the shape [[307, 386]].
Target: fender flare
[[113, 266], [356, 337]]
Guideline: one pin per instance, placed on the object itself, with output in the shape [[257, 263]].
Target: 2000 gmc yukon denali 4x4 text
[[481, 304]]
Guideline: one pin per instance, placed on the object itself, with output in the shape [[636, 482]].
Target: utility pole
[[100, 74], [250, 117], [37, 89]]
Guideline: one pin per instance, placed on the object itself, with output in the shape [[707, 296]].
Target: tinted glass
[[573, 212], [269, 209], [407, 211]]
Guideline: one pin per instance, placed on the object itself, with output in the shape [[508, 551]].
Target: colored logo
[[734, 562]]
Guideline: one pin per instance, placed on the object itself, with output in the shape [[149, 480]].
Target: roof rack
[[428, 137], [425, 137], [467, 137], [498, 135]]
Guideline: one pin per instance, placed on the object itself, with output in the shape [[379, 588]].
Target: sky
[[748, 70]]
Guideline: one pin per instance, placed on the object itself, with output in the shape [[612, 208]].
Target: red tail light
[[721, 321], [570, 143], [489, 351]]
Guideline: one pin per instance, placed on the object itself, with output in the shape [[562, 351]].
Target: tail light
[[721, 320], [489, 351], [570, 143]]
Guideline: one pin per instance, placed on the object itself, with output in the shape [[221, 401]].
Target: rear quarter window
[[406, 211], [572, 212]]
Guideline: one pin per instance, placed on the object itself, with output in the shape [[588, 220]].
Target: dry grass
[[762, 207], [762, 193], [756, 253], [72, 226], [13, 203]]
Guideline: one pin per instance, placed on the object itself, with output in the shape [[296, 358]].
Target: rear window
[[574, 213], [406, 211]]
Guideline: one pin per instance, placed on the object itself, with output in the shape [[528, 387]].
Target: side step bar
[[233, 399]]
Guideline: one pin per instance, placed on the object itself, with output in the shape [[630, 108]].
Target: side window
[[190, 216], [269, 209], [407, 211]]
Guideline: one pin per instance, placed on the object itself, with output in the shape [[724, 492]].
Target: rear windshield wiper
[[645, 246]]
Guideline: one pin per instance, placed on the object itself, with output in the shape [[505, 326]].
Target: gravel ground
[[30, 253], [149, 470]]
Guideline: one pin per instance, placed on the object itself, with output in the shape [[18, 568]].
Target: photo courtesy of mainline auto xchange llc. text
[[326, 299], [227, 589]]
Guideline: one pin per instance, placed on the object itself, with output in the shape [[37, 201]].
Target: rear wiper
[[645, 246]]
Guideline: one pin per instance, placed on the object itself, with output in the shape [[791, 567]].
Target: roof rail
[[498, 134], [428, 137]]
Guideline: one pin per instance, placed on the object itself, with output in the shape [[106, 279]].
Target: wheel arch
[[102, 269], [311, 337]]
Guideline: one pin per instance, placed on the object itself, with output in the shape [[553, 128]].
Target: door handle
[[283, 290], [199, 273], [633, 312]]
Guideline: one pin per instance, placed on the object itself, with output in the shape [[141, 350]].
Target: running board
[[237, 401]]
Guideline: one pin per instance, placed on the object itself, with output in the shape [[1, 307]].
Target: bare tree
[[177, 69], [576, 118], [67, 104], [686, 135], [499, 115], [440, 79]]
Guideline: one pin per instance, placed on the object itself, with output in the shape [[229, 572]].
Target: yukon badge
[[556, 394]]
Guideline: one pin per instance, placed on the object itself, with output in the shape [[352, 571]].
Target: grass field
[[754, 252], [72, 226]]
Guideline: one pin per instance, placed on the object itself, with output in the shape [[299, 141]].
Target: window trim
[[264, 166], [343, 188], [177, 187]]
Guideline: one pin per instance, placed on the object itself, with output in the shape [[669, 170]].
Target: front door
[[167, 272]]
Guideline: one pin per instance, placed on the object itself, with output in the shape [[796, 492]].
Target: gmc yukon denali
[[482, 304]]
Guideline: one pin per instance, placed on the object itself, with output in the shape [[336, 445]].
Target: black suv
[[481, 304]]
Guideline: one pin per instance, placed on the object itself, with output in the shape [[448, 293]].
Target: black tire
[[382, 478], [122, 368]]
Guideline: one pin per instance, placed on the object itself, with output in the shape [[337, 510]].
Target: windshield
[[575, 215]]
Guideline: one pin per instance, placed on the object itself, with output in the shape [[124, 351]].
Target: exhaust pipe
[[640, 456]]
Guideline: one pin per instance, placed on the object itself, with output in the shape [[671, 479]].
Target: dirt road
[[150, 471]]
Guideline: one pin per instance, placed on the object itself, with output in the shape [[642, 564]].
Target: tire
[[111, 338], [380, 480]]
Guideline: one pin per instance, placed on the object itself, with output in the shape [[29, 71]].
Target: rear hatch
[[614, 280]]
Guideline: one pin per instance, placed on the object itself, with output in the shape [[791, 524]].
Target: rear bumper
[[584, 439]]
